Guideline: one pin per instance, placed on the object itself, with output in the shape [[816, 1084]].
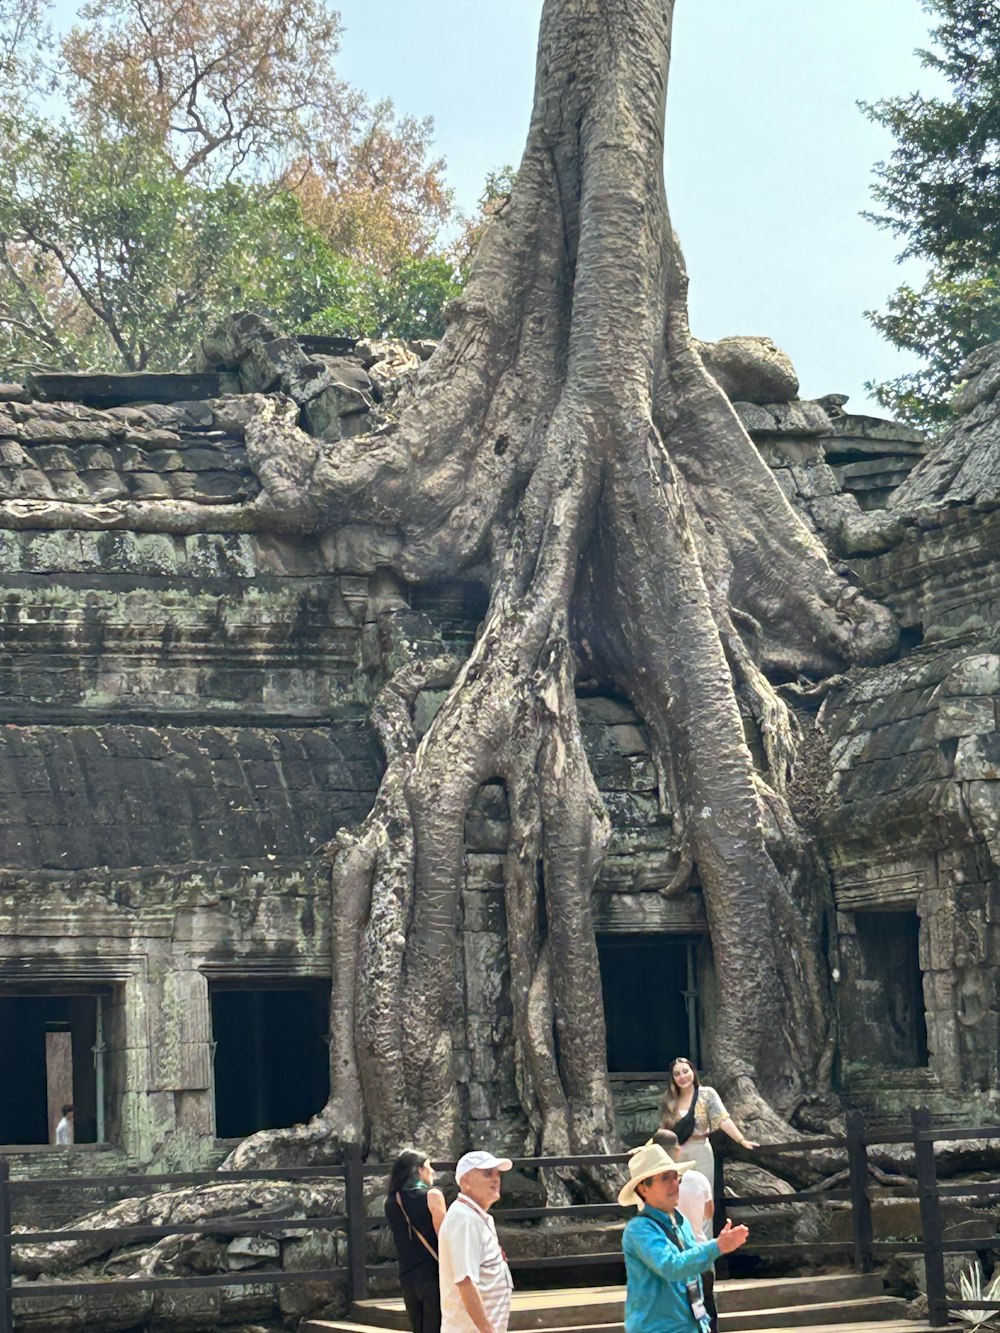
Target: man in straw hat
[[695, 1201], [475, 1279], [663, 1261]]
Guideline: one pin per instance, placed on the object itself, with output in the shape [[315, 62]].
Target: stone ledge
[[104, 391]]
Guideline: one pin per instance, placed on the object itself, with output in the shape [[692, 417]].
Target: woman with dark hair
[[415, 1211], [693, 1111]]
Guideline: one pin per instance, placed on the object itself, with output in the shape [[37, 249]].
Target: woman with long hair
[[693, 1111], [415, 1211]]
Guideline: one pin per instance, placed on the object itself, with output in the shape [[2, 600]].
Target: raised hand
[[731, 1238]]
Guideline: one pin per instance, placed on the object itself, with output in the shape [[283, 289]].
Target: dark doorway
[[891, 989], [650, 999], [48, 1053], [271, 1057]]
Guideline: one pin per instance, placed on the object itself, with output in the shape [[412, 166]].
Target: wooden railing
[[860, 1249]]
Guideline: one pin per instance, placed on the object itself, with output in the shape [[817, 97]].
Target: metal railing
[[349, 1172], [860, 1249], [932, 1244]]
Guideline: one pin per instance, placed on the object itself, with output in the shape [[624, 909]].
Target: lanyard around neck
[[471, 1203]]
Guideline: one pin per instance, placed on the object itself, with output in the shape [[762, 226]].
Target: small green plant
[[971, 1288]]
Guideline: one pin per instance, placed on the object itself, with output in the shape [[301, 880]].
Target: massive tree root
[[566, 444], [566, 447], [224, 1203]]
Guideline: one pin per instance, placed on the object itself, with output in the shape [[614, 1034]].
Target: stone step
[[893, 1325], [880, 1325], [877, 1326], [741, 1300], [820, 1288], [868, 1310], [875, 1312], [340, 1326]]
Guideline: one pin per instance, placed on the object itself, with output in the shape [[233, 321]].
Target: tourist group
[[452, 1267]]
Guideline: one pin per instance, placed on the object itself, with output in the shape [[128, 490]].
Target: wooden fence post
[[357, 1231], [861, 1204], [719, 1215], [6, 1273], [930, 1218]]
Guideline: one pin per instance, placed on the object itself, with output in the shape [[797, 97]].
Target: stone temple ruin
[[185, 726]]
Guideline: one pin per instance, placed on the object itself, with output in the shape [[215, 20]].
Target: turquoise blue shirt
[[656, 1270]]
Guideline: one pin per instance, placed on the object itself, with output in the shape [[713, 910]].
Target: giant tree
[[566, 447]]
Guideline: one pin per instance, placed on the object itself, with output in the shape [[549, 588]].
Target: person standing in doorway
[[415, 1211], [663, 1261], [64, 1129], [475, 1280]]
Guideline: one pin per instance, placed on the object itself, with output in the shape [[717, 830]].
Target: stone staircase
[[829, 1303]]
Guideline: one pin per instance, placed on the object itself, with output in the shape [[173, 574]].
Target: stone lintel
[[116, 390], [885, 885], [642, 913]]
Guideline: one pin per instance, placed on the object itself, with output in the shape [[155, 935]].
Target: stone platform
[[828, 1302]]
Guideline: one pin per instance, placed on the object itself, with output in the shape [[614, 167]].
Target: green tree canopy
[[939, 192], [113, 259], [198, 176]]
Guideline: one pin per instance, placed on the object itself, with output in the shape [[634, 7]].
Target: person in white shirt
[[696, 1201], [475, 1280], [64, 1129]]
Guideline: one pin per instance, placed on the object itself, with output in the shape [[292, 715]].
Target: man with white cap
[[663, 1261], [475, 1280]]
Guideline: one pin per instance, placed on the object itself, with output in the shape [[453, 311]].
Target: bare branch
[[105, 316], [44, 327]]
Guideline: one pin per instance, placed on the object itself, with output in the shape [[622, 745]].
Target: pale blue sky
[[768, 158]]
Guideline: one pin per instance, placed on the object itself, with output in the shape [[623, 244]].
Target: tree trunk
[[566, 438], [566, 445]]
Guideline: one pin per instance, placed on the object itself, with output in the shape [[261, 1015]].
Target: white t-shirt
[[694, 1193], [64, 1132], [468, 1247]]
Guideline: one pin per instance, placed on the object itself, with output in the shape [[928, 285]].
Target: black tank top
[[415, 1264]]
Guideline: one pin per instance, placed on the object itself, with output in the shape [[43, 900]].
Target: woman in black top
[[415, 1211]]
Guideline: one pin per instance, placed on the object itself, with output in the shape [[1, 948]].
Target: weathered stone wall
[[155, 938], [184, 728], [909, 817], [913, 801], [109, 623], [943, 578], [913, 823], [124, 795], [185, 725]]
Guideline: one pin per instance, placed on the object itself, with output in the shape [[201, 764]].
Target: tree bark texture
[[566, 441], [566, 446]]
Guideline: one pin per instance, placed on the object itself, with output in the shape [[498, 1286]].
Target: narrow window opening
[[271, 1055], [891, 990]]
